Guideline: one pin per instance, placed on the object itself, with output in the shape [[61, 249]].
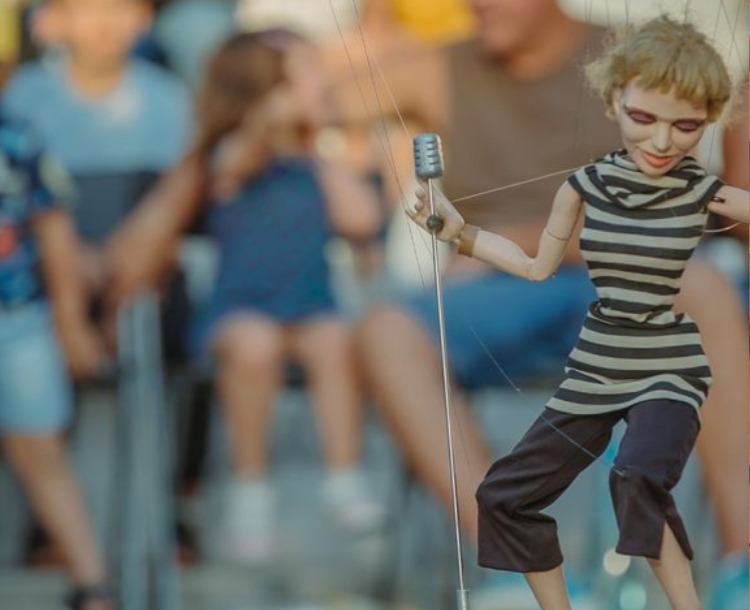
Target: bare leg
[[672, 569], [49, 481], [250, 351], [722, 444], [549, 589], [402, 367], [325, 350]]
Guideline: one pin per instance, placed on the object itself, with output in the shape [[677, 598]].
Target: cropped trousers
[[514, 533]]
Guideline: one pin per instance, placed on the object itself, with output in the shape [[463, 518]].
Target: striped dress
[[638, 235]]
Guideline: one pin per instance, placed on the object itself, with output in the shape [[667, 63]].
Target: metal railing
[[147, 567]]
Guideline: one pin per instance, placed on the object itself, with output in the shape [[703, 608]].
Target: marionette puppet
[[637, 360]]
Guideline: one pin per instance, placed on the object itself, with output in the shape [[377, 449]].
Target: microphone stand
[[427, 146]]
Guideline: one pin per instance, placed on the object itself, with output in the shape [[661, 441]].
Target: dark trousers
[[513, 532]]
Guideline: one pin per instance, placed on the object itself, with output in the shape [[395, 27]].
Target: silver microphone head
[[428, 156]]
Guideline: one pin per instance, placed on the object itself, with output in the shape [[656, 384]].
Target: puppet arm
[[731, 202], [507, 256], [497, 250]]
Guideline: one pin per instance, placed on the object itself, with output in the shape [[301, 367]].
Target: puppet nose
[[662, 139]]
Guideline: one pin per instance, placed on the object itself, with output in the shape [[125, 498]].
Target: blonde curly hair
[[667, 55]]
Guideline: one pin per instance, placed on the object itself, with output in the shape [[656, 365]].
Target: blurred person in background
[[43, 309], [731, 584], [272, 204], [115, 122], [736, 171], [380, 150]]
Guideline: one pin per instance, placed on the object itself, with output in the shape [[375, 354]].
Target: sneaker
[[347, 498], [729, 589], [248, 530]]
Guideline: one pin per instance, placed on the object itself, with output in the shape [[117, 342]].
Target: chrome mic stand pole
[[428, 164]]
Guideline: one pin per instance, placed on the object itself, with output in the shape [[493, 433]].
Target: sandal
[[79, 597]]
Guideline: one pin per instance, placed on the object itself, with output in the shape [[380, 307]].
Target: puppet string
[[386, 146]]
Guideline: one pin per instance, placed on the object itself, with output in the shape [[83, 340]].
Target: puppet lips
[[656, 161]]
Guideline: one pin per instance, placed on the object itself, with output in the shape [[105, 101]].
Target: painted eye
[[641, 117], [688, 126]]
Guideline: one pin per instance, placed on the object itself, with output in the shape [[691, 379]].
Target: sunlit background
[[148, 441]]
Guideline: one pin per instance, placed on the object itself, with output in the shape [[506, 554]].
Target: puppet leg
[[650, 461], [514, 534]]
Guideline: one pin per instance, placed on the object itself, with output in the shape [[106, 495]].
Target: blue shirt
[[31, 182], [272, 237], [143, 124]]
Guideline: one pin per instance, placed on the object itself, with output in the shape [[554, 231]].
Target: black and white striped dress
[[638, 235]]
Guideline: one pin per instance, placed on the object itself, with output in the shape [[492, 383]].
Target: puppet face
[[658, 129]]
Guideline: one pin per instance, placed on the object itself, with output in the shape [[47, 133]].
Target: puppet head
[[663, 82]]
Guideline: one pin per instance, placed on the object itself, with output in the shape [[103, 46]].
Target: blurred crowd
[[278, 133]]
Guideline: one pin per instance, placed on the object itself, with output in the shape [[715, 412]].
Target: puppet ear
[[615, 105]]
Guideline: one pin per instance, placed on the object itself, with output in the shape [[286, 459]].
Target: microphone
[[428, 156], [428, 165]]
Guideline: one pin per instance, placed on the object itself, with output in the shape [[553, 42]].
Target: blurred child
[[114, 122], [273, 207], [35, 393]]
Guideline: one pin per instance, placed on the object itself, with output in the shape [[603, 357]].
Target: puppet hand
[[446, 222]]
